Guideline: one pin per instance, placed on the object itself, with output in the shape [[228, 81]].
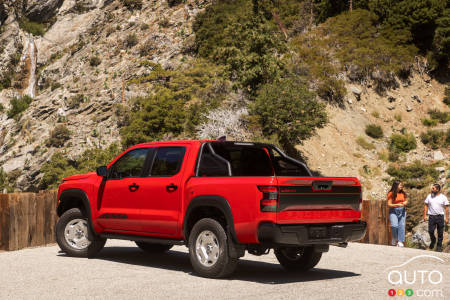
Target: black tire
[[153, 248], [298, 258], [224, 265], [96, 243]]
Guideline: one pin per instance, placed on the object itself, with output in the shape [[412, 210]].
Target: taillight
[[360, 198], [269, 201]]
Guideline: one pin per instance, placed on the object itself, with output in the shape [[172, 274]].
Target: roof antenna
[[222, 138]]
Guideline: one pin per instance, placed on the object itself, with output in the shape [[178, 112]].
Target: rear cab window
[[167, 161]]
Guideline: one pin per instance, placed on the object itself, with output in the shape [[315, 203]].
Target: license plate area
[[337, 231], [317, 232]]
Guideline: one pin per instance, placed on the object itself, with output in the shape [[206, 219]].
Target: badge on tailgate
[[320, 185]]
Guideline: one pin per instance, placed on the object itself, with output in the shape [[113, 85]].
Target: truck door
[[119, 209], [161, 191]]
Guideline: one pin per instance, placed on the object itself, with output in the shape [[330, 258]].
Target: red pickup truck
[[219, 198]]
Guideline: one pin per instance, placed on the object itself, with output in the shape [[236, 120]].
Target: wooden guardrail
[[27, 219], [376, 214]]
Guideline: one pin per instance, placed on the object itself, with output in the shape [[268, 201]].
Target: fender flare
[[69, 194], [212, 201]]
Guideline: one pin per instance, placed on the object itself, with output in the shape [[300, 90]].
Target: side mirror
[[102, 171]]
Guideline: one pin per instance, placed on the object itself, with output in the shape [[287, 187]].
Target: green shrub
[[6, 182], [415, 175], [429, 122], [58, 136], [436, 138], [398, 117], [95, 61], [365, 144], [402, 143], [441, 116], [2, 108], [60, 166], [75, 101], [18, 105], [288, 109], [132, 4], [32, 27], [332, 90], [446, 99], [131, 40], [374, 131], [393, 156]]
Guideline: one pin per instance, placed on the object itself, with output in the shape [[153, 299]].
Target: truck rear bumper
[[310, 234]]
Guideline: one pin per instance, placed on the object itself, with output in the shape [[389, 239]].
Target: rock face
[[3, 13], [42, 10], [421, 236]]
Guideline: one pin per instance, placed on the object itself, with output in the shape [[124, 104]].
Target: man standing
[[436, 205]]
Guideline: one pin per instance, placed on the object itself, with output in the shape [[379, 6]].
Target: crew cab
[[219, 198]]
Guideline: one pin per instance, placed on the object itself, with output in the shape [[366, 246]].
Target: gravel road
[[122, 271]]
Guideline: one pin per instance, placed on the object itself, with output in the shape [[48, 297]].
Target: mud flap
[[234, 250]]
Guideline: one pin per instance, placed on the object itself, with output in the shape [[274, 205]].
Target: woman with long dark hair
[[397, 201]]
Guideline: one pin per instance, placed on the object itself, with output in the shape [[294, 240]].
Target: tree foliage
[[239, 35], [288, 110], [60, 165], [415, 175], [176, 103], [18, 105]]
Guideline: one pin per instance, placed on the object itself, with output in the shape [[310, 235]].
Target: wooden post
[[4, 222], [376, 214]]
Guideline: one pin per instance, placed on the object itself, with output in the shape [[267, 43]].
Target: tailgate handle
[[322, 185]]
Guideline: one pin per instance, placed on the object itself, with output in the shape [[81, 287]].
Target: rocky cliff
[[76, 61]]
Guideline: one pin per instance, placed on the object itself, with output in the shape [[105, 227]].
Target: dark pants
[[433, 222]]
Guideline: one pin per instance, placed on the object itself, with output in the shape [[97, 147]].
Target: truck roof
[[173, 142]]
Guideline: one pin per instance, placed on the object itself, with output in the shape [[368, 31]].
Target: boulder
[[357, 92], [421, 235], [355, 73], [437, 155], [417, 98], [440, 169], [42, 10], [391, 99], [408, 108]]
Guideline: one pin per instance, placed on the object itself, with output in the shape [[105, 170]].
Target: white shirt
[[436, 204]]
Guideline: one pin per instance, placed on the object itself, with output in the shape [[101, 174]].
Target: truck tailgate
[[318, 200]]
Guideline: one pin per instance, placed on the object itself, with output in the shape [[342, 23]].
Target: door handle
[[171, 188], [133, 188]]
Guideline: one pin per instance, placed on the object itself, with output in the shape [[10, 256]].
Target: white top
[[436, 204]]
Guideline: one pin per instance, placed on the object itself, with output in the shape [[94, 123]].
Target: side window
[[129, 165], [168, 161]]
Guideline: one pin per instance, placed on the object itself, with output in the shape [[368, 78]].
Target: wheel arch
[[75, 198], [200, 206]]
